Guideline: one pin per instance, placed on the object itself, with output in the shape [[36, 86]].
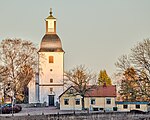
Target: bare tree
[[20, 59], [139, 59], [80, 77], [3, 72]]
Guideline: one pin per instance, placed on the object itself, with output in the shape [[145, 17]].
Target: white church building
[[49, 82]]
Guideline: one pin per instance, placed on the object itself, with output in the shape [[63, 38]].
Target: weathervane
[[50, 11]]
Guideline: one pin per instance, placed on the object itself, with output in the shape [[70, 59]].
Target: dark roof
[[98, 91], [51, 43]]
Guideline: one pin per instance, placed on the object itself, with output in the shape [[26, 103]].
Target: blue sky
[[93, 32]]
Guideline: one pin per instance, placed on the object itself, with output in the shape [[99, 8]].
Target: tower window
[[51, 80], [51, 59], [51, 90]]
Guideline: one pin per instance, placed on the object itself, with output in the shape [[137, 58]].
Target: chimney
[[104, 85]]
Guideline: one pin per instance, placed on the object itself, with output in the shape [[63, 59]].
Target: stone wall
[[83, 116]]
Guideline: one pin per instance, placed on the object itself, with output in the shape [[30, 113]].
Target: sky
[[94, 33]]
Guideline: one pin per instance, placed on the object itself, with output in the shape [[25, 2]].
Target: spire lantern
[[50, 24]]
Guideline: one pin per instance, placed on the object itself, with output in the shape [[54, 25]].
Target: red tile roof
[[102, 91], [98, 91]]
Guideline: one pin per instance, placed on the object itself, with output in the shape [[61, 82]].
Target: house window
[[66, 101], [92, 101], [137, 106], [125, 106], [51, 59], [51, 80], [77, 101], [101, 108], [108, 101]]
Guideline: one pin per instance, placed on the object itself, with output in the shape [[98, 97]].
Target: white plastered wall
[[49, 71], [32, 91]]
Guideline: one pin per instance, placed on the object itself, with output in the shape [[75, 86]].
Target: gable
[[71, 91]]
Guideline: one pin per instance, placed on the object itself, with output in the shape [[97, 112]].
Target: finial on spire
[[50, 11]]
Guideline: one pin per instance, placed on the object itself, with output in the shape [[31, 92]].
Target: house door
[[51, 100]]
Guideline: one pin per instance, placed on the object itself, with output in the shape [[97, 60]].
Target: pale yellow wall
[[71, 105], [100, 102], [143, 107]]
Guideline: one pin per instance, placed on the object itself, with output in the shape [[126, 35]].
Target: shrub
[[8, 109]]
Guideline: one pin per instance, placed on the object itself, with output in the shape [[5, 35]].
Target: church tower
[[51, 65]]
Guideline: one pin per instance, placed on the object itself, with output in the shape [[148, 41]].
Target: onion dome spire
[[51, 41]]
